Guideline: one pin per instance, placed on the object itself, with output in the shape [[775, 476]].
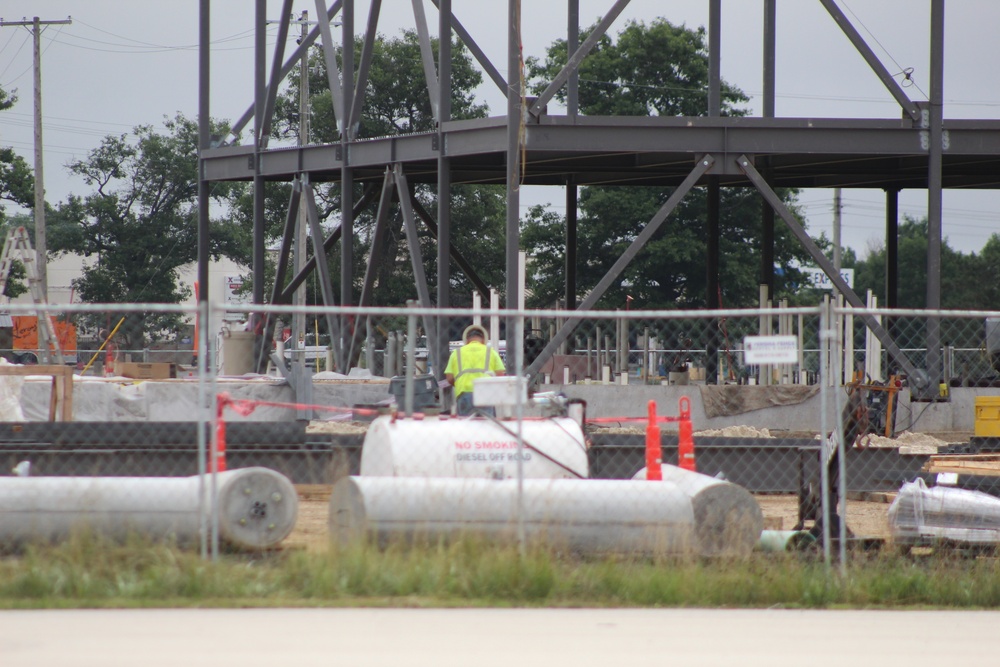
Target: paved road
[[496, 637]]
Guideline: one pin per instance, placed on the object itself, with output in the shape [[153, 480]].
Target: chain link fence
[[804, 424]]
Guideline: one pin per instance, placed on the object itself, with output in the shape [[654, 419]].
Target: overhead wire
[[907, 72], [13, 59]]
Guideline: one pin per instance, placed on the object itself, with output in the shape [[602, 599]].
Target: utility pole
[[41, 247], [837, 207]]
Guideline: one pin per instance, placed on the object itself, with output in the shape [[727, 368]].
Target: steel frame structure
[[529, 146]]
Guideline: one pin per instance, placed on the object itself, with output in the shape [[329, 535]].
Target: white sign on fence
[[817, 278], [771, 349]]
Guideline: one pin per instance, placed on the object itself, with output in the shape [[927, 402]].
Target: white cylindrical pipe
[[588, 516], [473, 447], [728, 520], [257, 507]]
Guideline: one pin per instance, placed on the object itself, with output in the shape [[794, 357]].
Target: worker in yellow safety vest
[[473, 360]]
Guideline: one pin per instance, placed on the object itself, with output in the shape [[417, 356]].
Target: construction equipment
[[17, 245]]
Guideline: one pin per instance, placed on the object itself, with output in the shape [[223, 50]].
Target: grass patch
[[90, 572]]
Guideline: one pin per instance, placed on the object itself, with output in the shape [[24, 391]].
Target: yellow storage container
[[987, 416]]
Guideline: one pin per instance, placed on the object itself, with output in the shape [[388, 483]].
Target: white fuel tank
[[473, 447], [591, 516]]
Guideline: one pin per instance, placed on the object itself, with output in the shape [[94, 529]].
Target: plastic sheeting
[[923, 515], [10, 396]]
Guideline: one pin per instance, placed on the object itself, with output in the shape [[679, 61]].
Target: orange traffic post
[[685, 436], [654, 450], [220, 441]]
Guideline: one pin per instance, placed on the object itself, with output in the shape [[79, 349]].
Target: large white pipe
[[257, 507], [473, 447], [727, 519], [588, 516]]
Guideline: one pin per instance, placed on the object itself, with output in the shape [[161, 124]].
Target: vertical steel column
[[204, 139], [714, 54], [714, 192], [891, 255], [205, 403], [573, 43], [572, 109], [934, 191], [346, 186], [712, 280], [444, 185], [767, 213], [770, 41], [260, 82], [571, 241], [301, 228], [515, 124]]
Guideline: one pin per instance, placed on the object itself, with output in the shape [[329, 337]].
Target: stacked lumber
[[986, 465]]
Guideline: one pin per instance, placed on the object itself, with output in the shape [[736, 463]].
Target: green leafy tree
[[656, 69], [17, 185], [397, 102], [962, 275], [968, 282], [139, 225]]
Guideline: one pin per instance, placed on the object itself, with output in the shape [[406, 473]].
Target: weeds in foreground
[[88, 571]]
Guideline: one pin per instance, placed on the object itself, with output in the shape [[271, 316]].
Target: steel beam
[[441, 331], [453, 251], [934, 202], [346, 186], [891, 256], [260, 63], [892, 248], [296, 56], [571, 242], [714, 58], [416, 257], [367, 50], [917, 377], [332, 69], [574, 61], [909, 107], [712, 285], [204, 139], [287, 238], [770, 41], [477, 53], [512, 163], [427, 57], [322, 268], [572, 44], [801, 151], [703, 165], [272, 86], [378, 240], [310, 265]]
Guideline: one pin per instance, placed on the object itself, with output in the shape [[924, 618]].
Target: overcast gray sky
[[121, 64]]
